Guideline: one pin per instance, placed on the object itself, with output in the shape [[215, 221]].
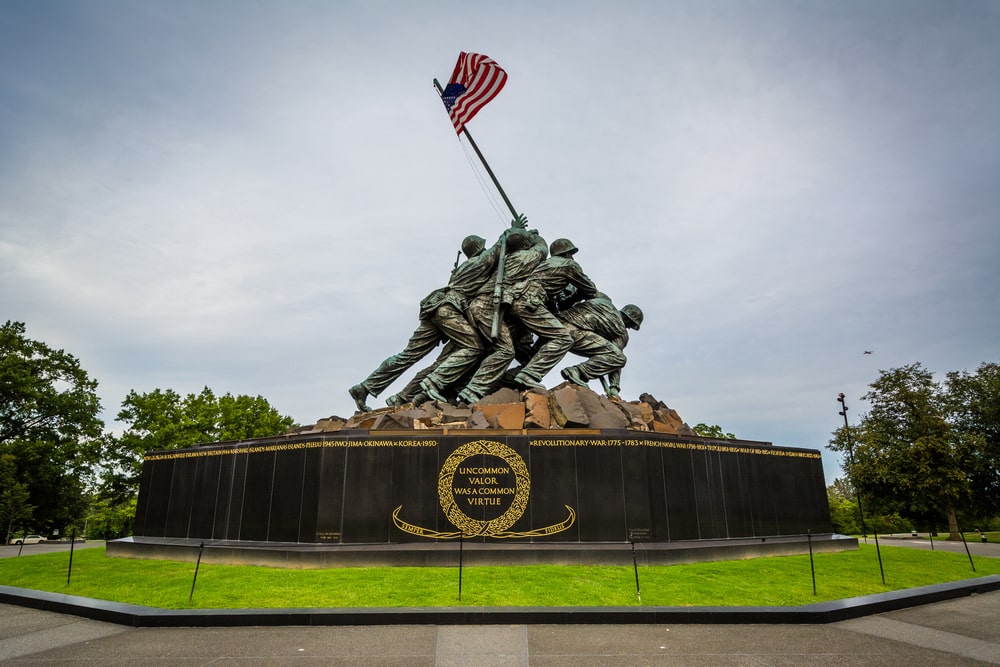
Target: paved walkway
[[976, 548], [955, 633]]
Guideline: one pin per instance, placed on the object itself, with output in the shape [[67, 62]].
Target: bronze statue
[[599, 332], [530, 302], [442, 317], [495, 305], [527, 250]]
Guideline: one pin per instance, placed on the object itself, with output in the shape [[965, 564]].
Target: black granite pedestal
[[509, 496]]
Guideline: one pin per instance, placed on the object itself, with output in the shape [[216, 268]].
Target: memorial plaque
[[204, 494], [142, 502], [256, 513], [601, 491], [554, 486], [735, 494], [639, 496], [310, 495], [682, 508], [329, 492], [183, 486], [224, 496], [286, 500], [238, 489], [414, 485]]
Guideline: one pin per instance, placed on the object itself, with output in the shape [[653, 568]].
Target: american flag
[[476, 80]]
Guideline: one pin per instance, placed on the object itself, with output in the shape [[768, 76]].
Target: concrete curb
[[822, 612]]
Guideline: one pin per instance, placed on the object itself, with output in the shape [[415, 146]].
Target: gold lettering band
[[198, 452], [285, 447], [667, 444]]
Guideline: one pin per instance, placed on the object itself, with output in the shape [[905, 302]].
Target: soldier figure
[[442, 317], [599, 332], [526, 251], [530, 306]]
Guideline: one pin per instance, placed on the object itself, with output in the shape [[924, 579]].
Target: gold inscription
[[483, 486], [285, 447], [728, 449]]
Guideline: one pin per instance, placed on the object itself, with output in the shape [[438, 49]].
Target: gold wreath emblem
[[446, 483], [468, 526]]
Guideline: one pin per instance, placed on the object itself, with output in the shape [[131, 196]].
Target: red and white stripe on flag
[[482, 80]]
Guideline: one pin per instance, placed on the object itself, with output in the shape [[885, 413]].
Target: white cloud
[[255, 199]]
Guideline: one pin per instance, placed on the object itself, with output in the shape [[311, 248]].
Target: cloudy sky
[[253, 196]]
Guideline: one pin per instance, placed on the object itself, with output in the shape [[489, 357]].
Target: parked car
[[28, 539]]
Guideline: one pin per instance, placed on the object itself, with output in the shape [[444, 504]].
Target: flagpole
[[486, 164]]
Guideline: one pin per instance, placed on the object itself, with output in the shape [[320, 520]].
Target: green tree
[[107, 521], [49, 424], [844, 512], [713, 431], [44, 394], [163, 419], [973, 404], [905, 454], [15, 510]]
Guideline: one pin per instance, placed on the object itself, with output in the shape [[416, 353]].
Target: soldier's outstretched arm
[[585, 287]]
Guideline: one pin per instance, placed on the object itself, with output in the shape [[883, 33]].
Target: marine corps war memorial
[[474, 458]]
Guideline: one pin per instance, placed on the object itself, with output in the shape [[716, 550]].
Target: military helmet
[[473, 245], [632, 315], [562, 247], [518, 239]]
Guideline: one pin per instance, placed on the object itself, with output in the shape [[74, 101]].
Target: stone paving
[[955, 633]]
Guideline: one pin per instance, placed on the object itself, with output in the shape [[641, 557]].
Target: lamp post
[[857, 492]]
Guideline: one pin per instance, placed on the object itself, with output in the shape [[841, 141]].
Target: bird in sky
[[869, 351]]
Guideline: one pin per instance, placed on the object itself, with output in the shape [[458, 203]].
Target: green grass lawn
[[992, 536], [778, 581]]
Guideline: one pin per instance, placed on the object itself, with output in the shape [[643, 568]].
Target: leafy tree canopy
[[163, 419], [922, 450], [973, 406], [15, 510], [49, 426], [844, 514], [713, 431], [44, 394]]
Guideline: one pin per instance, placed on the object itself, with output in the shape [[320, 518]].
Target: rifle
[[498, 292]]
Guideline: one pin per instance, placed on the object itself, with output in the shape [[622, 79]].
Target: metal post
[[930, 536], [967, 553], [635, 568], [879, 552], [460, 542], [857, 492], [72, 543], [196, 566], [812, 566]]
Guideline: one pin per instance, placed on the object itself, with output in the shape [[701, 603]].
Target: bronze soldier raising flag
[[531, 301], [501, 298], [599, 332], [442, 317]]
